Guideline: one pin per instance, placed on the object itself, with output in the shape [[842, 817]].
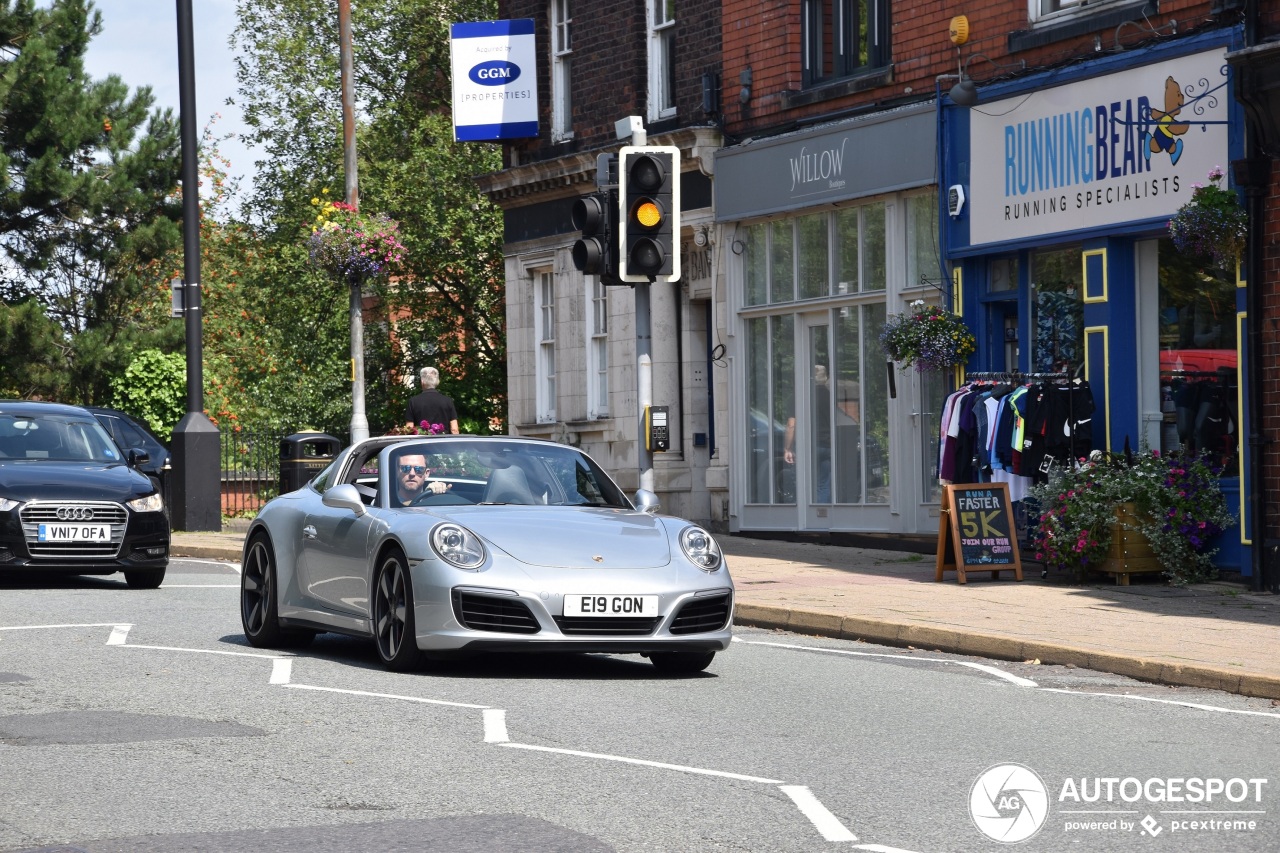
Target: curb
[[902, 635]]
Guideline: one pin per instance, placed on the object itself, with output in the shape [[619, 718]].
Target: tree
[[446, 305], [87, 195]]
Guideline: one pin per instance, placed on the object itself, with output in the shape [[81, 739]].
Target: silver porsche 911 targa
[[436, 546]]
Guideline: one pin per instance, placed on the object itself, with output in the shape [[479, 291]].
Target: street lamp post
[[359, 422], [197, 492]]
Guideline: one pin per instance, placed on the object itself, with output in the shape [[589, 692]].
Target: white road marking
[[880, 848], [76, 625], [990, 670], [119, 634], [825, 822], [386, 696], [623, 759], [196, 651], [495, 726], [201, 586], [1196, 705], [281, 671], [223, 563]]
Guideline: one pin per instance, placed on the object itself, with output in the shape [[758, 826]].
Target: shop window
[[814, 256], [861, 407], [924, 260], [791, 259], [842, 38], [770, 355], [782, 252], [662, 60], [1198, 359], [1057, 311], [1002, 275]]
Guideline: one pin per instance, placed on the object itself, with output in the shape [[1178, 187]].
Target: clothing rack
[[1018, 377]]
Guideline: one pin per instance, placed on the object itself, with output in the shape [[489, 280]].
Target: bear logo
[[1164, 136]]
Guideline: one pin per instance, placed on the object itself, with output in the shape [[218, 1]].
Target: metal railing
[[250, 470]]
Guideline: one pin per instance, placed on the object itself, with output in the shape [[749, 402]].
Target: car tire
[[144, 578], [260, 601], [393, 622], [682, 663]]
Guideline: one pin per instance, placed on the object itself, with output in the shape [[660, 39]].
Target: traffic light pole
[[634, 126]]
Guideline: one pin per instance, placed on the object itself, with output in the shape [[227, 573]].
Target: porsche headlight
[[151, 503], [457, 546], [700, 548], [6, 504]]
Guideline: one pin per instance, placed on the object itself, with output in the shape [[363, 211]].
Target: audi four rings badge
[[75, 513]]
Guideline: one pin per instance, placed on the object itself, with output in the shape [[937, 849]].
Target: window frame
[[560, 17], [544, 335], [661, 43], [596, 332], [844, 46]]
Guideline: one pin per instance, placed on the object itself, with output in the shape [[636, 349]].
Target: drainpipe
[[1256, 195]]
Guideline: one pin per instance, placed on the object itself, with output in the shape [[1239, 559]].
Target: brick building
[[820, 174]]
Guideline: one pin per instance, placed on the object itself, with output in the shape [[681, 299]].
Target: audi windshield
[[56, 438]]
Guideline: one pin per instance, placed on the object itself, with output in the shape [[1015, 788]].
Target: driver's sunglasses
[[420, 470]]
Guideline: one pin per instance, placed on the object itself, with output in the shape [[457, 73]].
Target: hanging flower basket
[[353, 246], [1212, 225], [927, 336]]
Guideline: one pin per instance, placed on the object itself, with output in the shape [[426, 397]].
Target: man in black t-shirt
[[431, 406]]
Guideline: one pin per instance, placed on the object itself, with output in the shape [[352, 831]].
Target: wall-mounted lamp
[[965, 92], [745, 78]]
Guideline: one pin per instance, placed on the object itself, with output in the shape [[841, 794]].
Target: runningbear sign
[[495, 94], [1118, 148]]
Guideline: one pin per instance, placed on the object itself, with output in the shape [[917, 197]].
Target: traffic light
[[596, 251], [649, 187]]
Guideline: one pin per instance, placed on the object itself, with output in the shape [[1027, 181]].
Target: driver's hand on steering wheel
[[438, 488]]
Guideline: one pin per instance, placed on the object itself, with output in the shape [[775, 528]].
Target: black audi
[[73, 502]]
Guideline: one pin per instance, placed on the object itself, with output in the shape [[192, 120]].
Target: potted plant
[[1170, 504], [927, 336], [353, 246], [1211, 225]]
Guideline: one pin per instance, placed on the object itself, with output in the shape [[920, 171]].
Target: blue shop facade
[[1056, 194]]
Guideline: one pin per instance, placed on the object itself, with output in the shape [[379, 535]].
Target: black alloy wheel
[[259, 603], [682, 663], [393, 625]]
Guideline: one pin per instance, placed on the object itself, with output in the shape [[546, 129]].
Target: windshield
[[500, 472], [58, 438]]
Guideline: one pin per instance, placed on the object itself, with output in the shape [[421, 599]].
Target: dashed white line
[[281, 671], [1196, 705], [69, 625], [386, 696], [825, 822], [990, 670], [640, 761], [495, 726]]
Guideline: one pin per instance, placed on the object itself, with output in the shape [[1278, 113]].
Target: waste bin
[[303, 455]]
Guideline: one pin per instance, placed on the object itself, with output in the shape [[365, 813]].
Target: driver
[[411, 480]]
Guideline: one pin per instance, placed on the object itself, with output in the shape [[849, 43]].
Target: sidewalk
[[1218, 635]]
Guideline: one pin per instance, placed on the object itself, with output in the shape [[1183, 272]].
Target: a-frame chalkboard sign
[[976, 531]]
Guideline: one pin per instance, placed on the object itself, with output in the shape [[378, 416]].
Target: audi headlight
[[151, 503], [457, 546], [6, 504], [700, 548]]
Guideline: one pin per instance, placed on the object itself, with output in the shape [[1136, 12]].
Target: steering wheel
[[442, 499]]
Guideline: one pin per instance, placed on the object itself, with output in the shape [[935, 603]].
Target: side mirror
[[344, 496], [646, 501], [138, 456]]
